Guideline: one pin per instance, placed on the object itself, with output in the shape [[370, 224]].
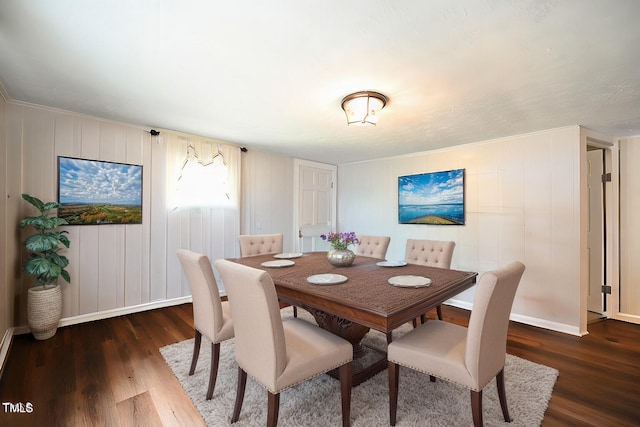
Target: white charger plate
[[326, 279], [288, 255], [409, 281], [391, 263], [278, 263]]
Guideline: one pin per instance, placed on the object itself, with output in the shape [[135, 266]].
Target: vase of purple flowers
[[341, 255]]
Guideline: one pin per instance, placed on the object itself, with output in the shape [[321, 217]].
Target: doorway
[[596, 299], [315, 204], [620, 242]]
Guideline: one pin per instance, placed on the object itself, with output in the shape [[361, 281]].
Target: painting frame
[[432, 198], [99, 192]]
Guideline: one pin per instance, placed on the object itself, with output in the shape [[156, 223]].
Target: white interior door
[[315, 194], [595, 302]]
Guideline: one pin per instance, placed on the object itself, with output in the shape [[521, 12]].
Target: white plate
[[410, 281], [326, 279], [288, 255], [278, 263], [391, 263]]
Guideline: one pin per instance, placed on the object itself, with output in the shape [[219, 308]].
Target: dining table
[[368, 294]]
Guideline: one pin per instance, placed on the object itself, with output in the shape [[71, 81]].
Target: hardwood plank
[[111, 372], [138, 411], [126, 382]]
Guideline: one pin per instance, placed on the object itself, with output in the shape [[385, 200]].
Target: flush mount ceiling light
[[363, 108]]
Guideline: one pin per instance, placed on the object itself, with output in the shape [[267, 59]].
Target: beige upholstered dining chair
[[276, 353], [469, 356], [433, 253], [259, 244], [211, 316], [373, 246]]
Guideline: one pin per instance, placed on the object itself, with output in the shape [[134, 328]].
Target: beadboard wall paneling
[[154, 179], [86, 268], [134, 272], [629, 235], [112, 266], [522, 202], [68, 137], [6, 278], [267, 196], [13, 244]]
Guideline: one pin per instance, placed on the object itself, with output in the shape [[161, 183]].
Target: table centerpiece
[[341, 255]]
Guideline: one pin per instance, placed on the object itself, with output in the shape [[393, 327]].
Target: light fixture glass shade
[[363, 108]]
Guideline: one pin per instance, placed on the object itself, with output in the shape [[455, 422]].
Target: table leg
[[367, 361]]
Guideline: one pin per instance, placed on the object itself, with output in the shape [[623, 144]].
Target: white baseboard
[[527, 320], [90, 317], [541, 323], [460, 304]]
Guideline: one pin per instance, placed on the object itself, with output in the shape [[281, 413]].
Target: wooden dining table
[[366, 300]]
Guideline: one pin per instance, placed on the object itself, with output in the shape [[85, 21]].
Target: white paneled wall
[[267, 195], [521, 203], [629, 234], [7, 289], [106, 262], [521, 193], [112, 267]]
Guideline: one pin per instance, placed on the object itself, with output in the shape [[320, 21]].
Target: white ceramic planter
[[44, 310]]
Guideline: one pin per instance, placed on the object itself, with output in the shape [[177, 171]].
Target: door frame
[[611, 263], [297, 164], [611, 150], [597, 235]]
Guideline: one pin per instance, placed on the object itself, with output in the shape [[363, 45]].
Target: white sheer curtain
[[203, 199], [203, 174]]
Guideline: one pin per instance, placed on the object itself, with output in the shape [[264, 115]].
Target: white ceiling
[[270, 75]]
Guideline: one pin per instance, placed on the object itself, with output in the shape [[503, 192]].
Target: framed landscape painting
[[93, 192], [432, 198]]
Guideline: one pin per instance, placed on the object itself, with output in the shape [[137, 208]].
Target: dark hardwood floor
[[110, 373]]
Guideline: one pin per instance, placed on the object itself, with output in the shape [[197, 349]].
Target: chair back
[[489, 322], [259, 244], [260, 347], [433, 253], [207, 307], [373, 246]]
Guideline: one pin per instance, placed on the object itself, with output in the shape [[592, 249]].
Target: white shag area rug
[[316, 402]]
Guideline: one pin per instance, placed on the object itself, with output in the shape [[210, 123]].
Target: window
[[204, 174]]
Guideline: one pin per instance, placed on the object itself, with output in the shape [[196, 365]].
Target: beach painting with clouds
[[432, 198], [93, 192]]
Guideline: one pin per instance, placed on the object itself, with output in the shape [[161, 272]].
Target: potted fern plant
[[44, 302]]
